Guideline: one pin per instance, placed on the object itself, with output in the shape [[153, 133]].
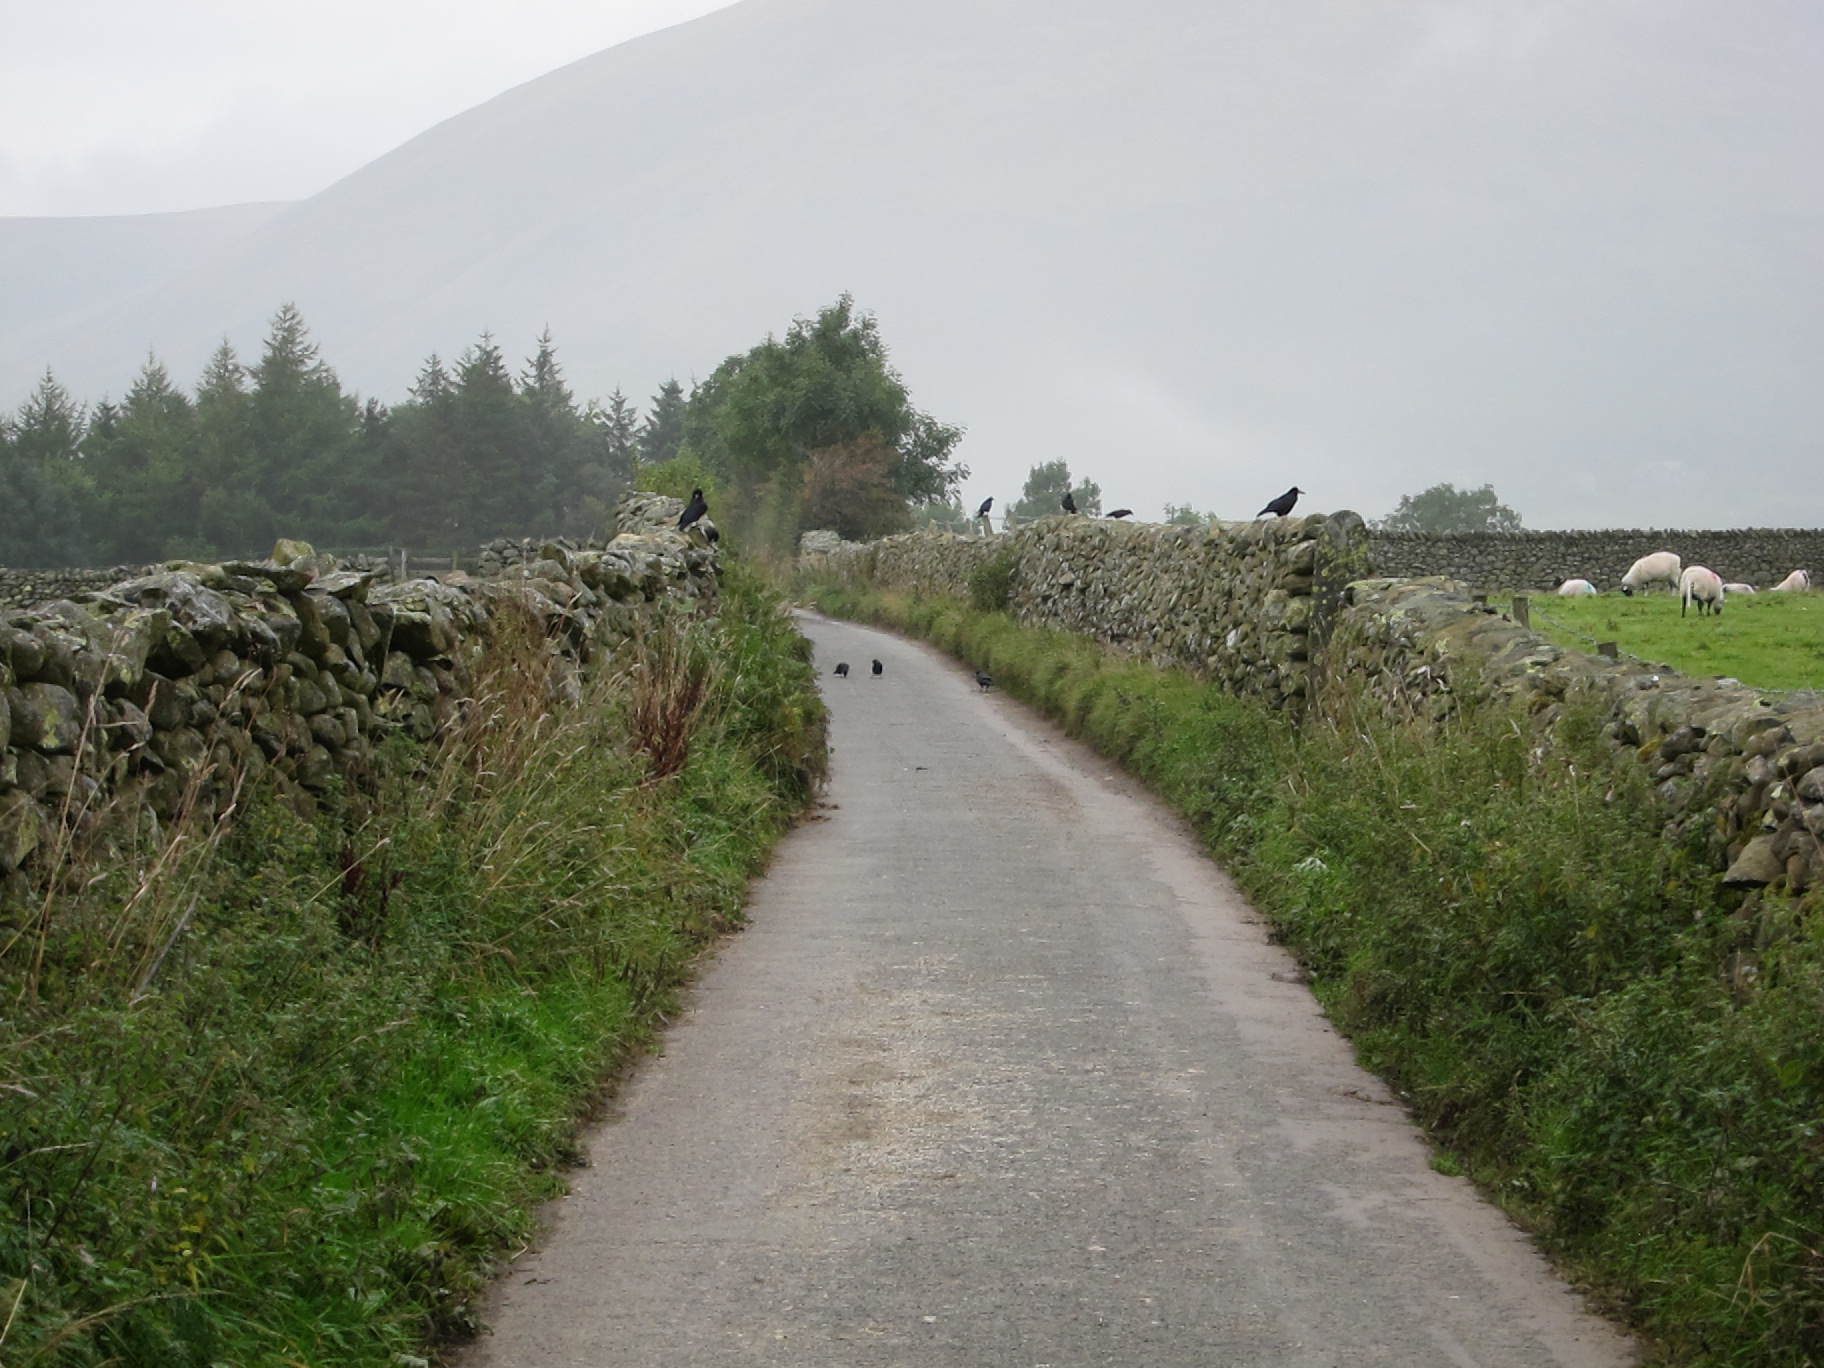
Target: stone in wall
[[168, 688]]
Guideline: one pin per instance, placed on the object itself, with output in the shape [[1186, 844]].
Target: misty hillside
[[55, 271], [1200, 250]]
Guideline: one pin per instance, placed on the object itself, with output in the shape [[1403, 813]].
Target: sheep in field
[[1576, 588], [1798, 582], [1738, 588], [1660, 567], [1701, 585]]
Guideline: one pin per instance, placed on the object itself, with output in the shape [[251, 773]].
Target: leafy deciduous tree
[[1445, 508]]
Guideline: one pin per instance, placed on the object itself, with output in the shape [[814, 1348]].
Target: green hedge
[[1627, 1057], [283, 1092]]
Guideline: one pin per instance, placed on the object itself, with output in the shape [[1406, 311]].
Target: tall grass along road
[[277, 1091], [1004, 1072]]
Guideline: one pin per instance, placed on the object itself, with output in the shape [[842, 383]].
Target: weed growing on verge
[[1614, 1048], [359, 1065]]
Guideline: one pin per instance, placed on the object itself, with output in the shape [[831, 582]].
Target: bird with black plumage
[[842, 669], [693, 510], [878, 669], [1282, 505]]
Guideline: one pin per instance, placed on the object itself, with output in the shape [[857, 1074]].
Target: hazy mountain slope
[[53, 271], [1199, 249]]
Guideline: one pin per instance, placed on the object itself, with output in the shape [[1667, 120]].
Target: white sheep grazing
[[1702, 585], [1738, 588], [1660, 567], [1576, 588], [1798, 582]]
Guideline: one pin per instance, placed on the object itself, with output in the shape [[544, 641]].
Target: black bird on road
[[983, 679], [1282, 505], [1122, 513], [693, 510], [879, 669], [842, 669], [987, 504], [1070, 504]]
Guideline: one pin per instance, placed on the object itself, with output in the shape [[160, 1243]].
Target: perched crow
[[987, 504], [842, 669], [711, 533], [693, 510], [879, 669], [983, 679], [1070, 504], [1282, 505], [1122, 513]]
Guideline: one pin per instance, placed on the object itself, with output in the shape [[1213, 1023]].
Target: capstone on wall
[[167, 687]]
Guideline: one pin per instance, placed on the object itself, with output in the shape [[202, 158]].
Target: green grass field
[[1769, 641]]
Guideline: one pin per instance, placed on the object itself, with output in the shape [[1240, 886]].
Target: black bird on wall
[[1282, 505], [1122, 513], [1070, 504], [987, 504], [693, 510]]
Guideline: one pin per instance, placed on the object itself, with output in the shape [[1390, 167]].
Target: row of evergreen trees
[[279, 448]]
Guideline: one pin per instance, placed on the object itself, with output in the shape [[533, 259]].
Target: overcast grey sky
[[140, 106]]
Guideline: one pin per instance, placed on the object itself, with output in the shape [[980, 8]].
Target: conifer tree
[[43, 487], [140, 457], [662, 434], [495, 498], [305, 434], [232, 516]]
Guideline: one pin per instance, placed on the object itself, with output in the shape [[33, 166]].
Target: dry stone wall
[[1240, 602], [1542, 560], [163, 688], [1291, 611]]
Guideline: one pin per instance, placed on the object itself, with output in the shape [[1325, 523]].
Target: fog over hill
[[1200, 249]]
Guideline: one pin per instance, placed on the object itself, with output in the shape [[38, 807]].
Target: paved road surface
[[1006, 1075]]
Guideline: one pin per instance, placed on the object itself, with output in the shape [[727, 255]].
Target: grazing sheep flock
[[1701, 585], [1738, 588], [1576, 588], [1798, 582]]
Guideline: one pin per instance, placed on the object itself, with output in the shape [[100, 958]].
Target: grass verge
[[282, 1091], [1622, 1054]]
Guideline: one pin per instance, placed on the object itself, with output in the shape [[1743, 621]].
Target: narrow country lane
[[1006, 1073]]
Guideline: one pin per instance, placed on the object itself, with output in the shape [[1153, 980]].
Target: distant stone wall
[[166, 687], [1542, 560], [1289, 611], [21, 587]]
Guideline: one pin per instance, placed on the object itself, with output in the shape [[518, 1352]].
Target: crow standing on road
[[1122, 513], [693, 510], [987, 504], [1282, 505], [841, 670], [983, 679], [1070, 504], [879, 669]]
